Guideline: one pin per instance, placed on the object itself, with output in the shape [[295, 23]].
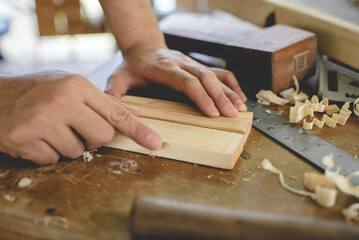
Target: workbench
[[74, 199]]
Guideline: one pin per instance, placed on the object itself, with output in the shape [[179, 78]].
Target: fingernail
[[230, 108], [213, 110], [154, 141], [242, 108], [238, 103], [244, 98]]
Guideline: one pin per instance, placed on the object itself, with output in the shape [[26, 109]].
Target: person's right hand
[[43, 115]]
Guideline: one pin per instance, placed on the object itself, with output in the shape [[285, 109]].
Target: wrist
[[145, 46]]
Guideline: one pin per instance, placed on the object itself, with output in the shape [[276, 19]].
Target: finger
[[234, 97], [66, 142], [134, 110], [185, 82], [118, 84], [125, 122], [92, 127], [213, 87], [39, 152], [228, 78]]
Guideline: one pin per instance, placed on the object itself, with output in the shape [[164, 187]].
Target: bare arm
[[133, 23]]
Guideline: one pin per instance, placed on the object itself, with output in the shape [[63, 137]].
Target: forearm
[[133, 23]]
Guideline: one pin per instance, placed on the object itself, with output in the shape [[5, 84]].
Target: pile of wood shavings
[[324, 186], [307, 108], [303, 107]]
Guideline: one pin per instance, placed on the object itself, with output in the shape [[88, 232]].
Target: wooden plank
[[186, 114], [187, 143], [337, 38]]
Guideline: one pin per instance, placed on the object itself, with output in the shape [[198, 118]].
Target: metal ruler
[[300, 141]]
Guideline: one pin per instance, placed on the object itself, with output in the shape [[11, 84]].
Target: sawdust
[[24, 182], [121, 166], [9, 198]]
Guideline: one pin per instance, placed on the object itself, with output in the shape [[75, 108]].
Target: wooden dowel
[[153, 217]]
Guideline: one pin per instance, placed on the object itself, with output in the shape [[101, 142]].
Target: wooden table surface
[[86, 200], [74, 199]]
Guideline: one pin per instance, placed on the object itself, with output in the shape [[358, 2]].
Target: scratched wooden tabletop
[[92, 200]]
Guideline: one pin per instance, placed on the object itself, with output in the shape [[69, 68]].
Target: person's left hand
[[215, 91]]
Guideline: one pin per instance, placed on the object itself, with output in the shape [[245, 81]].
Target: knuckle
[[106, 136], [75, 80], [39, 119], [119, 113], [207, 74], [165, 62], [59, 100]]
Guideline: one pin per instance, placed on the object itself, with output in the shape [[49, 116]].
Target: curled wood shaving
[[343, 183], [352, 212], [303, 109], [323, 196], [314, 99], [318, 123], [330, 109], [296, 84], [313, 180], [307, 125], [265, 97], [287, 93], [298, 97], [329, 121], [356, 107]]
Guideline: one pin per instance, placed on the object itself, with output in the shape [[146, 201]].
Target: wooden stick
[[153, 217]]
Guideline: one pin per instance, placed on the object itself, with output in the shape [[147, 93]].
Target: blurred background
[[70, 35]]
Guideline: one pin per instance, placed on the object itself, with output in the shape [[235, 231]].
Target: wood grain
[[188, 143], [187, 134], [189, 115]]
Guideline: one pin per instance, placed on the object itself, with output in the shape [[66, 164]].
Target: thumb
[[118, 83]]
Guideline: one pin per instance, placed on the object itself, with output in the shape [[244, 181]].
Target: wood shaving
[[329, 121], [323, 196], [298, 97], [265, 97], [287, 93], [352, 212], [24, 182], [87, 156], [9, 198], [307, 125], [307, 108], [318, 123], [314, 99], [329, 110], [313, 180], [356, 107]]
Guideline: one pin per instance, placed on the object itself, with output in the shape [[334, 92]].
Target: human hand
[[49, 113], [213, 90]]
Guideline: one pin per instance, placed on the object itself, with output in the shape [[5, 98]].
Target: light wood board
[[187, 134]]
